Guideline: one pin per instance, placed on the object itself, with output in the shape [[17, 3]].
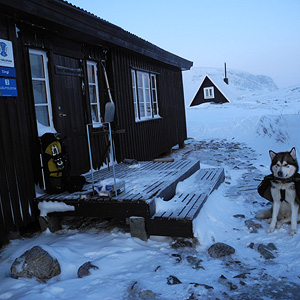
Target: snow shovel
[[110, 106]]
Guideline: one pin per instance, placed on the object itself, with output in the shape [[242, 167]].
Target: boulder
[[37, 263], [218, 250]]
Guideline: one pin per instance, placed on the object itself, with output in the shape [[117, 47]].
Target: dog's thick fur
[[285, 207]]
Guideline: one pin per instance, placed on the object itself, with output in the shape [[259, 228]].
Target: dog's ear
[[293, 153], [272, 154]]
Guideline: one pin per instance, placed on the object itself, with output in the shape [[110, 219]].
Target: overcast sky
[[258, 36]]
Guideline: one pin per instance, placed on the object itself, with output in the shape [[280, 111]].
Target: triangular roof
[[224, 88]]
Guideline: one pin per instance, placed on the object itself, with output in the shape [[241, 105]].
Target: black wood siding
[[17, 151], [146, 140]]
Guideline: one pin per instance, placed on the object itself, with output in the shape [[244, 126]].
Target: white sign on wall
[[6, 54]]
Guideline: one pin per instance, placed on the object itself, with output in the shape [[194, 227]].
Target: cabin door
[[69, 110]]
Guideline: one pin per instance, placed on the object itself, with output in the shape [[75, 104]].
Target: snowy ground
[[236, 136]]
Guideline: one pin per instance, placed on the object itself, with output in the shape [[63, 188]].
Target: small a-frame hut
[[212, 89]]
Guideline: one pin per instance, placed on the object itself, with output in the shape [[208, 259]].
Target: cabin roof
[[90, 27]]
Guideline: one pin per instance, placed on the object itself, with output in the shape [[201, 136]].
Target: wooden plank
[[209, 179], [178, 222], [194, 211], [182, 211]]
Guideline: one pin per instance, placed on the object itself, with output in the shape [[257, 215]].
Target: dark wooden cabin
[[213, 90], [59, 52]]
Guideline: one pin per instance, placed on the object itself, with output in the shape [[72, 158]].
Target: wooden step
[[177, 220]]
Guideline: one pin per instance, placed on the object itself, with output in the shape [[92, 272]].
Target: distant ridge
[[242, 83]]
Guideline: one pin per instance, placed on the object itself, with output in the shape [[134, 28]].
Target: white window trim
[[93, 63], [135, 88], [154, 89], [135, 97], [46, 79], [209, 92]]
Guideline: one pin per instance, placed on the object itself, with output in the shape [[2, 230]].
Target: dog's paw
[[270, 229], [293, 232], [278, 225]]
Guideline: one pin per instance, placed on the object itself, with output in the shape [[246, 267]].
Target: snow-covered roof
[[224, 88]]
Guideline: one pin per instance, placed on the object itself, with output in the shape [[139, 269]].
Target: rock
[[239, 216], [218, 250], [137, 293], [266, 250], [178, 257], [195, 262], [242, 275], [251, 246], [223, 280], [84, 270], [182, 243], [252, 225], [37, 263], [208, 287], [147, 294], [171, 280], [272, 247]]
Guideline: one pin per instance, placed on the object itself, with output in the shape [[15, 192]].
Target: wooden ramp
[[158, 180], [178, 221]]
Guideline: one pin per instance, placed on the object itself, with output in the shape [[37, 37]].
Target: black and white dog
[[282, 187]]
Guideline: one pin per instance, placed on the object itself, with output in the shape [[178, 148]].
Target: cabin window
[[209, 92], [94, 91], [144, 86], [40, 86]]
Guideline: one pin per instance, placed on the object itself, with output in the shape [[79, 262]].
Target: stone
[[266, 250], [253, 226], [223, 280], [137, 293], [242, 275], [218, 250], [171, 280], [84, 270], [37, 263], [208, 287], [147, 294], [138, 228], [195, 262], [182, 243], [241, 216]]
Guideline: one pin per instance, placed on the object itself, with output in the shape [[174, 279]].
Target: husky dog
[[282, 187]]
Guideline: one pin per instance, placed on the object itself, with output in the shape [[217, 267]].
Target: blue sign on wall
[[8, 88], [7, 72]]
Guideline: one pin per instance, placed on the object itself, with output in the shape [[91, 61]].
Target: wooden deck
[[138, 199], [158, 180]]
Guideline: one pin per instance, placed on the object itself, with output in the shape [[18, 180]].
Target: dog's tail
[[264, 214]]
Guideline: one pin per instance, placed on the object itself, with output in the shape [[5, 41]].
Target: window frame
[[96, 85], [209, 92], [45, 79], [144, 85]]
